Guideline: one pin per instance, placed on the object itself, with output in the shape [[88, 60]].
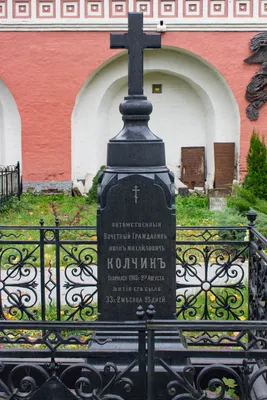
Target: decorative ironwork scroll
[[258, 278], [256, 93], [78, 381], [211, 273]]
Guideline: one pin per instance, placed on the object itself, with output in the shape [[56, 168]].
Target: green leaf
[[229, 382]]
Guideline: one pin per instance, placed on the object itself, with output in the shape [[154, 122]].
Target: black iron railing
[[50, 272], [10, 182], [212, 273], [49, 335], [82, 364], [258, 276]]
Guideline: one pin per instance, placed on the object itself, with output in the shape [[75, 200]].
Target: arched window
[[10, 128]]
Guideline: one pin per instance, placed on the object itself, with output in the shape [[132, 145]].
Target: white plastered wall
[[196, 108], [10, 128]]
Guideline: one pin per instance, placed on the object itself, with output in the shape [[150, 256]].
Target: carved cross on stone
[[135, 41]]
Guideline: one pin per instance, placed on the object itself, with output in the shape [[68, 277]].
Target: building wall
[[45, 71], [189, 111]]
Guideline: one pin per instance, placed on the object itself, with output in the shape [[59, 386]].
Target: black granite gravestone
[[136, 212]]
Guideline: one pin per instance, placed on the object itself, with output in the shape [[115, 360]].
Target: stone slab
[[218, 199], [217, 203], [136, 233], [49, 187]]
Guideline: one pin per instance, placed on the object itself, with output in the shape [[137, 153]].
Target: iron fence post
[[251, 216], [6, 171], [150, 363], [42, 270], [18, 180], [1, 186], [12, 171], [58, 289], [142, 357]]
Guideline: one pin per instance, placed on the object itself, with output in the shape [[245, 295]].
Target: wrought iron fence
[[82, 364], [50, 340], [10, 182], [212, 272], [258, 276], [50, 272]]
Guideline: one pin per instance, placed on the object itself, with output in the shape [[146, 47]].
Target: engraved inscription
[[136, 300], [137, 254], [135, 263], [135, 236], [126, 282]]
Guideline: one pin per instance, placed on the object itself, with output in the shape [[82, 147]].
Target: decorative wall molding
[[106, 15]]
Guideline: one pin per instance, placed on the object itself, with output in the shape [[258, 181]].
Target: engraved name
[[136, 263]]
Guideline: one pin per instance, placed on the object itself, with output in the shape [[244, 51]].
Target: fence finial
[[251, 216]]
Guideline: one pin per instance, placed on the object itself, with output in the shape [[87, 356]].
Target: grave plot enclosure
[[47, 319]]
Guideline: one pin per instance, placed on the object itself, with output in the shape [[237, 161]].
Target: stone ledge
[[50, 187]]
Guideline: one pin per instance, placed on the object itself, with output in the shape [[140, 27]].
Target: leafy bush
[[242, 200], [261, 223], [240, 204], [245, 194], [261, 206], [92, 194], [256, 178], [230, 217]]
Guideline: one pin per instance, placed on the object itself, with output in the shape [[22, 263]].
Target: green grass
[[193, 211], [31, 208], [190, 211]]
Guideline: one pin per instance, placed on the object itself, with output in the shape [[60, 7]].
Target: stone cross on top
[[135, 41]]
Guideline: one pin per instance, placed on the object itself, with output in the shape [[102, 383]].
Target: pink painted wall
[[45, 71], [226, 52]]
